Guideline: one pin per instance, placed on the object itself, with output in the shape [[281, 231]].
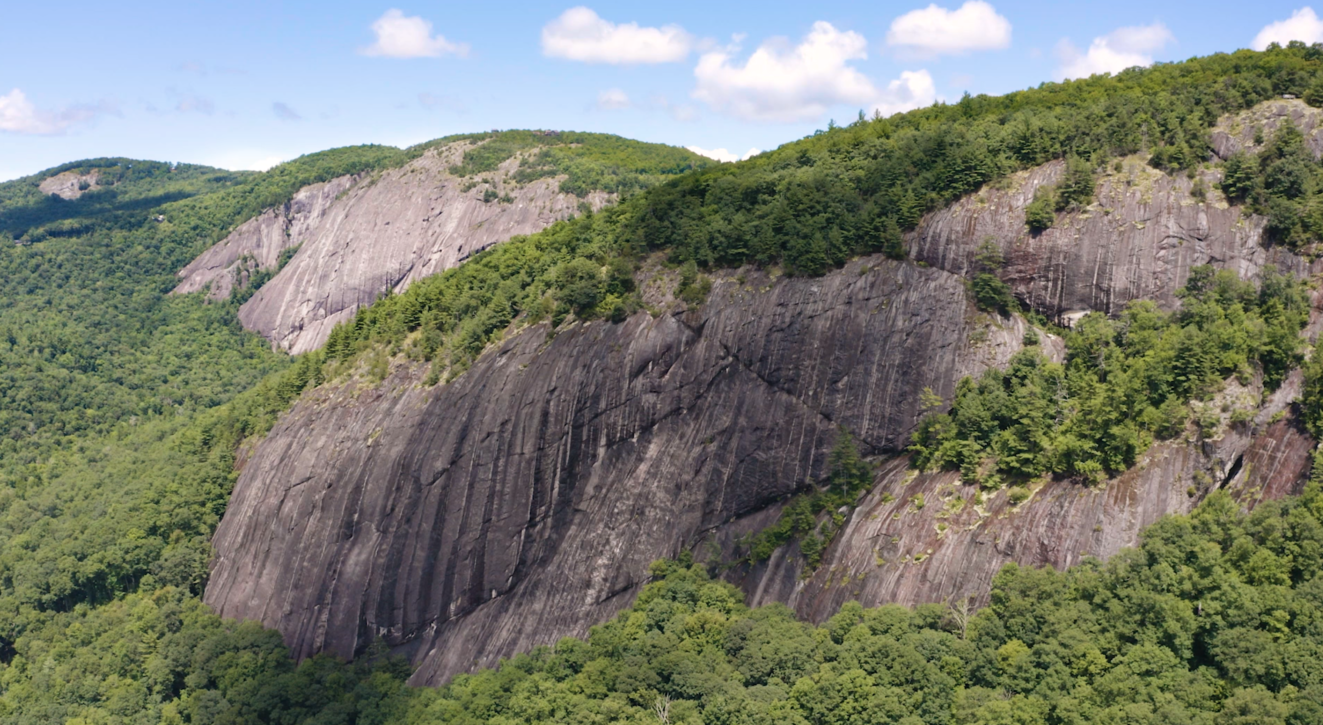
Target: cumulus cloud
[[1122, 48], [1303, 25], [20, 115], [783, 83], [612, 99], [913, 89], [934, 30], [284, 112], [722, 154], [580, 34], [405, 36]]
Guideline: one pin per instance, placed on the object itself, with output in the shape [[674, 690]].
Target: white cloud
[[401, 36], [612, 99], [783, 83], [19, 115], [914, 89], [722, 154], [780, 83], [579, 34], [935, 30], [1303, 25], [1122, 48]]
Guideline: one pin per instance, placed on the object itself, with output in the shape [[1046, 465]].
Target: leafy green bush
[[694, 287], [1076, 186], [991, 294], [1040, 214]]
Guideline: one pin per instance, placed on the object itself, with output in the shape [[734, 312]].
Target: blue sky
[[244, 84]]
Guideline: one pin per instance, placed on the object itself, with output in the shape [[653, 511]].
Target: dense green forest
[[121, 409], [1216, 618]]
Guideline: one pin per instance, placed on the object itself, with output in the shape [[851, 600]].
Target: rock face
[[360, 237], [524, 501], [1247, 132], [69, 184], [257, 243], [926, 537], [1138, 240]]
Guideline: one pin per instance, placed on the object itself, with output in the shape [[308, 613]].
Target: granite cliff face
[[257, 243], [523, 501], [1137, 240], [359, 237], [927, 537]]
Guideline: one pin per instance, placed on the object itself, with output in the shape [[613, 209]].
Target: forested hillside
[[121, 411]]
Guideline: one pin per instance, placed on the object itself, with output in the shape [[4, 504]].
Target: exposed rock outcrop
[[69, 184], [524, 501], [927, 537], [1248, 131], [1138, 240], [359, 238], [257, 243]]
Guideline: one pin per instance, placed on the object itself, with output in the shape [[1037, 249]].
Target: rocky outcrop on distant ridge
[[257, 243], [69, 185], [360, 237]]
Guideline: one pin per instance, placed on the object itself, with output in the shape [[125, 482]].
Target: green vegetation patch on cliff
[[1124, 383], [1282, 182], [848, 476]]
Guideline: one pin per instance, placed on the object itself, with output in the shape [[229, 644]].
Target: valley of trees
[[121, 410]]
